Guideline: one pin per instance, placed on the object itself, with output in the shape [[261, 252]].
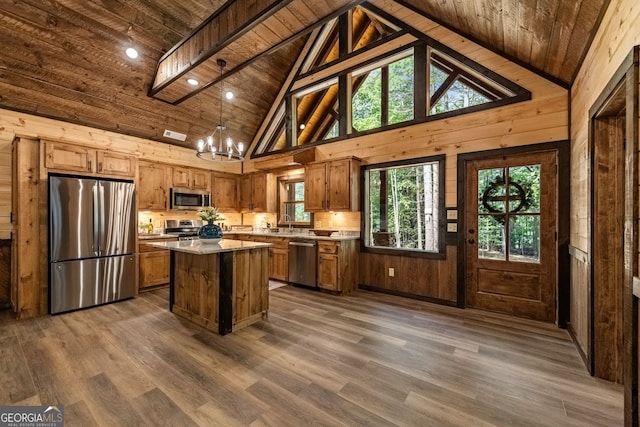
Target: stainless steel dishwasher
[[303, 259]]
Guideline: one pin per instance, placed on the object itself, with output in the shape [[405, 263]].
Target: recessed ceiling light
[[193, 82], [302, 126], [229, 95], [131, 53]]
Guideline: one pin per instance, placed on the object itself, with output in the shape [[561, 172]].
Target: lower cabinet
[[337, 261], [278, 255], [337, 265], [279, 267], [154, 264], [328, 264]]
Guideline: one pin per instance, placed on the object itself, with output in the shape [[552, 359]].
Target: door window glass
[[517, 188]]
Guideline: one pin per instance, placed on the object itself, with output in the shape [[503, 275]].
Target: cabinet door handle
[[328, 204], [100, 167], [89, 168]]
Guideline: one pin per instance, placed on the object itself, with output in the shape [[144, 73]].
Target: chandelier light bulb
[[210, 141], [240, 147], [200, 145]]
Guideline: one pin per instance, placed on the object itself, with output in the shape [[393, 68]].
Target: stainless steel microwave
[[185, 199]]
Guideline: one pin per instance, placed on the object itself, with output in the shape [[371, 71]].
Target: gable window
[[317, 112], [383, 75], [404, 207], [453, 86], [383, 95]]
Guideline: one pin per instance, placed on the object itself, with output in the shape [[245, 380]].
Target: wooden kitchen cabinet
[[77, 158], [193, 179], [224, 191], [278, 255], [279, 264], [337, 265], [152, 186], [332, 186], [257, 192], [154, 264], [116, 163]]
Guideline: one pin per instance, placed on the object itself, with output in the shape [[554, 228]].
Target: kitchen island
[[221, 286]]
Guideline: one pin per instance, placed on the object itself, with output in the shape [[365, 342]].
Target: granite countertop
[[198, 248], [155, 236], [337, 236]]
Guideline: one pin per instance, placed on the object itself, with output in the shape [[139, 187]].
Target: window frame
[[281, 183], [364, 200]]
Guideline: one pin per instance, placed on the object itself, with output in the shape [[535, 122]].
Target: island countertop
[[198, 248]]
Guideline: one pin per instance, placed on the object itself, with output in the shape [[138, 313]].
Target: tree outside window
[[404, 206], [291, 206]]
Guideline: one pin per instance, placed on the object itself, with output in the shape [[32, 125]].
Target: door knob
[[471, 231], [471, 241]]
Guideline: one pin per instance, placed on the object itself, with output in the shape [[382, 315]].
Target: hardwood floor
[[366, 359]]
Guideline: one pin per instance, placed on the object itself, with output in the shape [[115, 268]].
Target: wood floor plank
[[108, 404], [361, 359], [52, 372], [16, 378], [78, 414], [159, 410], [342, 409], [298, 411]]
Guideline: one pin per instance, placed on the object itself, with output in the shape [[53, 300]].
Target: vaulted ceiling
[[64, 58]]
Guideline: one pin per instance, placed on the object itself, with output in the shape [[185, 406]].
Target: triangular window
[[365, 72]]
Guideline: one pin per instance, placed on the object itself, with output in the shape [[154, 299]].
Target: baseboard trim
[[581, 352], [408, 295]]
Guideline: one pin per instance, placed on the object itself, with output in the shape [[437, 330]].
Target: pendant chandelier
[[219, 145]]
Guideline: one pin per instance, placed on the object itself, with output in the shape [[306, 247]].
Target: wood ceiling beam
[[240, 38], [222, 28]]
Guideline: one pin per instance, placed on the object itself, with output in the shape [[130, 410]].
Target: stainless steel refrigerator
[[92, 226]]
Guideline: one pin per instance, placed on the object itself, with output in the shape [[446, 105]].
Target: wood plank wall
[[5, 187], [613, 42], [13, 123], [542, 119]]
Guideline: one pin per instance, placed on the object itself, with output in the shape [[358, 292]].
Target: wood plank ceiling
[[64, 58]]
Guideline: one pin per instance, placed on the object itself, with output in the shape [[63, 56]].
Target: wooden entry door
[[511, 229]]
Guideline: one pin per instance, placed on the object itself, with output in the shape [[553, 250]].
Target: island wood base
[[222, 292]]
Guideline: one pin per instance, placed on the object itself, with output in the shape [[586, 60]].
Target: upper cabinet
[[194, 179], [332, 186], [257, 192], [77, 158], [152, 186], [224, 191]]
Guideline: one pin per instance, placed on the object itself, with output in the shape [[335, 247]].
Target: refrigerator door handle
[[96, 220], [103, 241]]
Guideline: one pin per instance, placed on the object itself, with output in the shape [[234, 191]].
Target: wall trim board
[[579, 255]]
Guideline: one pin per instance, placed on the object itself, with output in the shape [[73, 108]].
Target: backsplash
[[158, 218], [339, 221]]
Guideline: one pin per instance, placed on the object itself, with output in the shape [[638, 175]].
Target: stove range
[[183, 229]]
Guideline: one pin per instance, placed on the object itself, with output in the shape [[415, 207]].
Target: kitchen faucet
[[287, 219]]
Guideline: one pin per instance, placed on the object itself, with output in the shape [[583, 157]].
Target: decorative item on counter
[[323, 233], [210, 232], [150, 226]]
